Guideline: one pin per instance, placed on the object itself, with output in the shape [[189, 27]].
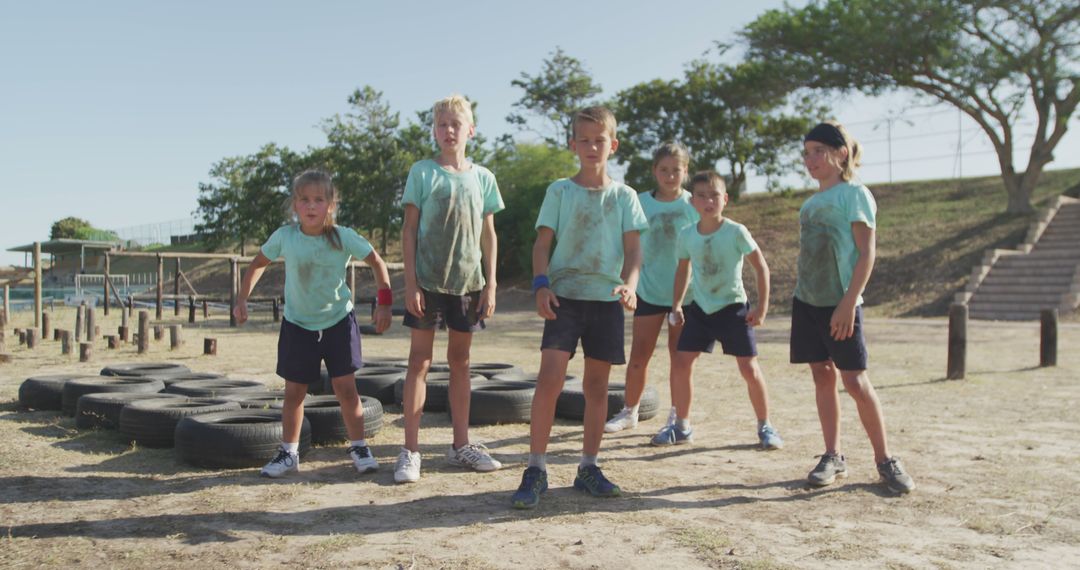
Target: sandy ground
[[995, 457]]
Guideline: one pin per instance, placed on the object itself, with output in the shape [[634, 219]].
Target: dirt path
[[995, 458]]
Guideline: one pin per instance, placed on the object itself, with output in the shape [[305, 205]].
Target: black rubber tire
[[500, 403], [152, 423], [527, 377], [102, 410], [378, 382], [145, 369], [215, 388], [324, 414], [438, 386], [45, 392], [571, 403], [386, 362], [257, 400], [233, 440], [368, 330], [491, 369], [74, 389], [170, 379]]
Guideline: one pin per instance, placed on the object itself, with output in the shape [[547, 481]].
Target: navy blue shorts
[[646, 309], [811, 341], [459, 312], [598, 324], [728, 325], [301, 351]]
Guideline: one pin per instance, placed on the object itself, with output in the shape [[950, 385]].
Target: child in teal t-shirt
[[319, 324], [449, 247], [836, 255], [713, 250], [668, 211]]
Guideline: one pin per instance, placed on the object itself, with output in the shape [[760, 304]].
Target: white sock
[[538, 460], [359, 443], [683, 423], [633, 409], [293, 448], [587, 460]]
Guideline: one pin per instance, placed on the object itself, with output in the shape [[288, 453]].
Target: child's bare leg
[[595, 386], [755, 385], [549, 383], [681, 381], [828, 403], [457, 354], [415, 393], [857, 383], [352, 412], [292, 411], [646, 332]]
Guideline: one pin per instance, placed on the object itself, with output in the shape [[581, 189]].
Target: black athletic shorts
[[302, 351], [811, 341], [458, 312], [598, 324], [728, 325]]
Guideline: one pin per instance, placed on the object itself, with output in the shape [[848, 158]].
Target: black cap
[[827, 134]]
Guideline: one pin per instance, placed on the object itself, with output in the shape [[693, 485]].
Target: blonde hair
[[324, 181], [595, 114], [452, 104], [671, 148], [710, 177], [854, 149]]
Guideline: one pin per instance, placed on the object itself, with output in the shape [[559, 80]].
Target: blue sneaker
[[672, 435], [769, 438], [591, 480], [533, 482]]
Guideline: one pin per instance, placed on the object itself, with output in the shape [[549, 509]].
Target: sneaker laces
[[283, 457], [592, 475], [472, 452], [891, 466], [359, 451], [406, 459], [531, 478]]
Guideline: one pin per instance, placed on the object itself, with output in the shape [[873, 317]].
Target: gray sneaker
[[828, 469], [892, 474]]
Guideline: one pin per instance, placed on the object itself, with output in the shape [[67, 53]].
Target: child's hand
[[842, 324], [240, 311], [487, 302], [414, 301], [383, 318], [546, 303], [627, 296], [676, 318], [756, 317]]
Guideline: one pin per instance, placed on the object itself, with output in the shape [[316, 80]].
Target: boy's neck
[[709, 225], [592, 178], [453, 160]]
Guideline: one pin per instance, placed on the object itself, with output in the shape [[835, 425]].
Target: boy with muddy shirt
[[450, 249], [581, 289]]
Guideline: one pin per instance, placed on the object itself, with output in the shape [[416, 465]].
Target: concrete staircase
[[1042, 273]]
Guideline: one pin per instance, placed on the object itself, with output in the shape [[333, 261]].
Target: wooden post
[[131, 305], [205, 309], [7, 303], [37, 285], [65, 342], [277, 311], [22, 336], [957, 362], [5, 358], [176, 290], [176, 339], [232, 291], [144, 331], [125, 324], [80, 319], [45, 332], [91, 325], [191, 309], [3, 318], [57, 334], [31, 338], [160, 285], [1048, 337], [114, 341], [86, 350], [105, 286], [210, 346], [159, 332]]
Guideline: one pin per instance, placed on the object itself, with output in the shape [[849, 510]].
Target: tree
[[68, 228], [562, 87], [988, 58], [730, 115]]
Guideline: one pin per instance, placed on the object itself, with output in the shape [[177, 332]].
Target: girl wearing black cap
[[836, 256]]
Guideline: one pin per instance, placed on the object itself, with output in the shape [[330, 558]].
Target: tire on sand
[[500, 403], [102, 410], [327, 425], [571, 403], [145, 369], [74, 389], [234, 439], [152, 423], [215, 388], [45, 392], [438, 390], [378, 382]]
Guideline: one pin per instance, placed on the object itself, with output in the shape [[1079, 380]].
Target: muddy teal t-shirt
[[316, 296], [589, 226], [716, 262], [658, 261], [827, 252], [452, 208]]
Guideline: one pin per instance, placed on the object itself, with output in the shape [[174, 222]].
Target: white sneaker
[[407, 469], [626, 419], [362, 459], [474, 456], [284, 462]]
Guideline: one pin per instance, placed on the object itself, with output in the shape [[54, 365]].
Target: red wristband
[[384, 297]]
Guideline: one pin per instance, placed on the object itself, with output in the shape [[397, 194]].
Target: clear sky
[[113, 111]]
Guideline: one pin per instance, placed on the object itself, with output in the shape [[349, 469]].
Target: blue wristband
[[540, 282]]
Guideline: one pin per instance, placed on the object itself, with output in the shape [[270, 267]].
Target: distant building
[[69, 257]]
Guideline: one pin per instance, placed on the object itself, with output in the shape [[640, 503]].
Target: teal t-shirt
[[658, 262], [589, 226], [716, 262], [827, 252], [316, 296], [452, 209]]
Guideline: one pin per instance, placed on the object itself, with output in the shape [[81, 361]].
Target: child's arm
[[682, 280], [414, 298], [842, 325], [251, 277], [382, 280], [489, 247], [756, 316], [545, 297], [627, 292]]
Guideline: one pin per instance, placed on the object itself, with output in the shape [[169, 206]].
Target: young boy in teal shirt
[[595, 223]]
